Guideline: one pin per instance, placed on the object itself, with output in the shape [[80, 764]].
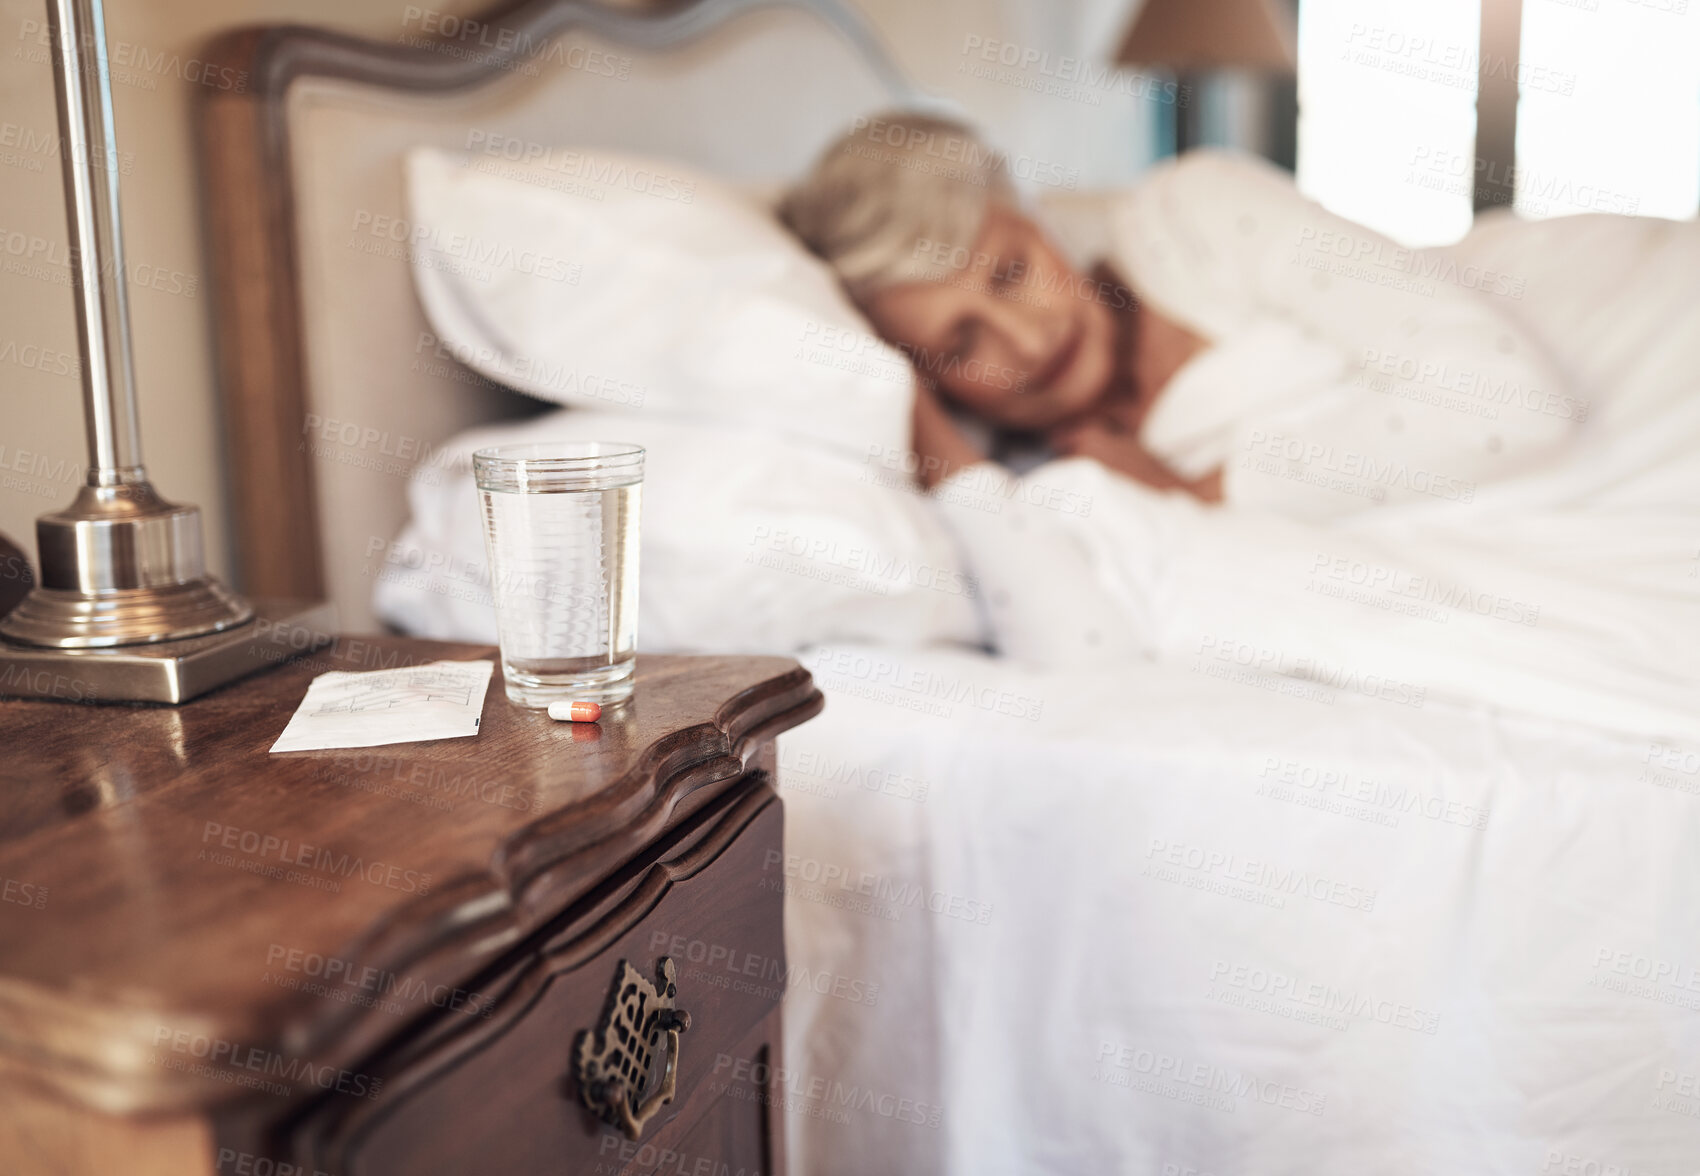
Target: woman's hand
[[1161, 348], [1121, 451], [939, 444]]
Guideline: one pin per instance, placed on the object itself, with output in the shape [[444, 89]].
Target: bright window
[[1387, 112], [1608, 117], [1608, 113]]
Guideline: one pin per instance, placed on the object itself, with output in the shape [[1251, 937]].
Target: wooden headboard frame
[[249, 205]]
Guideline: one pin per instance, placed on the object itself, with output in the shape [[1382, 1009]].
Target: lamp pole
[[88, 152], [120, 565]]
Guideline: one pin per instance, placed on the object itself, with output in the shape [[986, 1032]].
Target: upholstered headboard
[[332, 387]]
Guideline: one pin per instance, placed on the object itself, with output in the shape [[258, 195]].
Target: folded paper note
[[442, 700]]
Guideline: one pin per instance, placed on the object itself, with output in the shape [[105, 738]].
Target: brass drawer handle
[[612, 1063]]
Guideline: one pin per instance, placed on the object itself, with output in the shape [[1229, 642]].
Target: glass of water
[[561, 525]]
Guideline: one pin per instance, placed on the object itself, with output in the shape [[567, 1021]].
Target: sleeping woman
[[1236, 342]]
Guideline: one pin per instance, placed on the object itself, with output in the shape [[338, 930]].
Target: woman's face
[[1016, 336]]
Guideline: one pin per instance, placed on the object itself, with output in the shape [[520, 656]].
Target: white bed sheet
[[1154, 920]]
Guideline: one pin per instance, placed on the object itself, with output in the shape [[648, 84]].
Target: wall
[[1059, 126], [1065, 118]]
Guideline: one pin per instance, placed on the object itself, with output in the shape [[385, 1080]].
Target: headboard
[[331, 388]]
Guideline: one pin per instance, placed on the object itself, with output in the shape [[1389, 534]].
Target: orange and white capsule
[[575, 712]]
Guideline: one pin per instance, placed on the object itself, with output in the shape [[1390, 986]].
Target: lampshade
[[1181, 35]]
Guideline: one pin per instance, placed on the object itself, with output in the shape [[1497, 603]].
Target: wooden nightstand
[[363, 963]]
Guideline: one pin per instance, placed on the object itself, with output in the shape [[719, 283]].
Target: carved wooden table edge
[[664, 776], [443, 938], [622, 903]]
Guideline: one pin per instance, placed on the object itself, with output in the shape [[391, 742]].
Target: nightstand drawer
[[494, 1091]]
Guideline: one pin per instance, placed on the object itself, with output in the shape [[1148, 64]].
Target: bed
[[1172, 916]]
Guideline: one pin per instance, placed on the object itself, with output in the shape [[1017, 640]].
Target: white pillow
[[750, 543], [612, 282]]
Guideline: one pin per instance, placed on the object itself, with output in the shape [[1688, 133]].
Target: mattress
[[1170, 919]]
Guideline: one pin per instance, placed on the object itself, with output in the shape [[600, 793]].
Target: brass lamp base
[[120, 566], [167, 671], [66, 619]]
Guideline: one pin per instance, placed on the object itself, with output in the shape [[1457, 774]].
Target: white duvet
[[1309, 851], [1586, 615]]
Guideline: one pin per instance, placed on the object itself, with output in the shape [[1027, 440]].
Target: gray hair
[[898, 198]]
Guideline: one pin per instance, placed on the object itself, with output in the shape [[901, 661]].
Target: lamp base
[[57, 618], [120, 566], [168, 671]]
